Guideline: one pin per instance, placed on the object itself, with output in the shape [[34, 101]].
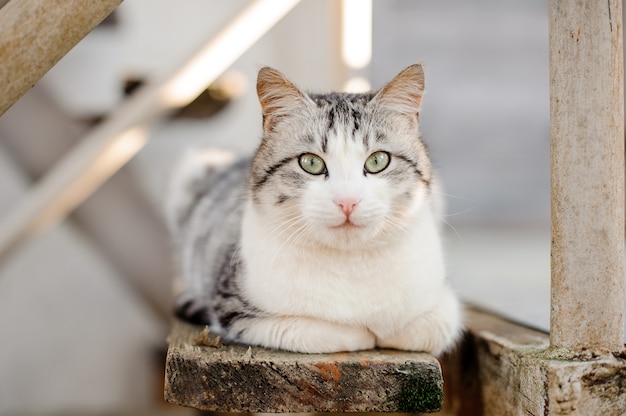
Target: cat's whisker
[[279, 227], [288, 243], [393, 226], [474, 203], [462, 198], [284, 224], [294, 239], [398, 211], [454, 214], [453, 229], [304, 233], [282, 227]]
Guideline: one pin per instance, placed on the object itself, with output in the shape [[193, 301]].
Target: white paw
[[434, 332], [307, 335]]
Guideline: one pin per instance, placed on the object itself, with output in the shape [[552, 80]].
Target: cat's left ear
[[278, 96], [403, 94]]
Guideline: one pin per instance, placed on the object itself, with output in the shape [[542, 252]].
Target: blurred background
[[85, 305]]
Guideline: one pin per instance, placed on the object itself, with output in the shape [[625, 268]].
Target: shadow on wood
[[204, 373]]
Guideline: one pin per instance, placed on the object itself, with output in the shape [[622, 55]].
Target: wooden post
[[587, 158], [36, 34]]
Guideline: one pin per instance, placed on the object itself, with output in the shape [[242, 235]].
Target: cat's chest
[[312, 284], [376, 286], [351, 288]]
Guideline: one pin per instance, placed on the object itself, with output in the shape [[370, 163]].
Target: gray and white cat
[[328, 240]]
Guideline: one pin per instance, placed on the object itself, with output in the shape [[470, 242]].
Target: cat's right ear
[[278, 96], [403, 94]]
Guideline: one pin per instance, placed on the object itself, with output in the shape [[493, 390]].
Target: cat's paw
[[434, 332], [306, 335]]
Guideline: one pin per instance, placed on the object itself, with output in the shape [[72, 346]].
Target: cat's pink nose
[[347, 205]]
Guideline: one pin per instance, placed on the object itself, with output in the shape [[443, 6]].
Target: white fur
[[396, 292], [348, 288], [324, 278]]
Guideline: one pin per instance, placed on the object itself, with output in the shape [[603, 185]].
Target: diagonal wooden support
[[206, 374], [36, 34], [115, 141]]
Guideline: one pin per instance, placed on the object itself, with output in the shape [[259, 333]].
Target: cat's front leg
[[301, 334], [434, 332]]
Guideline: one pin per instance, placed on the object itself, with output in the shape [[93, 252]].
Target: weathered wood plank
[[209, 375], [587, 171], [503, 368]]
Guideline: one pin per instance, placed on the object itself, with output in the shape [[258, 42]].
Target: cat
[[328, 239]]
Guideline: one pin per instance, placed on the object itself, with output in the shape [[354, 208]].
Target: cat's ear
[[403, 94], [278, 96]]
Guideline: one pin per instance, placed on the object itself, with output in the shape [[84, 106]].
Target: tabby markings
[[271, 171]]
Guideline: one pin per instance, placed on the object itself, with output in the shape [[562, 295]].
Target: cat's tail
[[189, 181]]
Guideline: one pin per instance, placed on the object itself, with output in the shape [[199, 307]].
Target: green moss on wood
[[421, 390]]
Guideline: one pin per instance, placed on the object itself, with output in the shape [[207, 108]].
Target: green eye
[[377, 162], [312, 164]]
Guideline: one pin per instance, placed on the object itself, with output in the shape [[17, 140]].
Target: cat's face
[[340, 170]]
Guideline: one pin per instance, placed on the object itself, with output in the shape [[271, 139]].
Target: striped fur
[[343, 258]]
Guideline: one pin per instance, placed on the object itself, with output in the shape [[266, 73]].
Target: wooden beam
[[204, 373], [36, 34], [502, 368], [587, 156]]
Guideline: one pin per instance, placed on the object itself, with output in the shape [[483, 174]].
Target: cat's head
[[340, 170]]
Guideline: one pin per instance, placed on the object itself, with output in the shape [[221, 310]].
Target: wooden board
[[502, 368], [204, 373]]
